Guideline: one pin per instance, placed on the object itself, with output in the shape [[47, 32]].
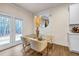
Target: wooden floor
[[56, 50]]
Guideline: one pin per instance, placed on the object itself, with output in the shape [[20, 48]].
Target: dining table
[[41, 38]]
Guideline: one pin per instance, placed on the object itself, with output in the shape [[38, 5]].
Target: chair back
[[38, 45], [25, 41]]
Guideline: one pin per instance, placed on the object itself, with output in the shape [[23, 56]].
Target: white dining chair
[[25, 43], [49, 39], [38, 46]]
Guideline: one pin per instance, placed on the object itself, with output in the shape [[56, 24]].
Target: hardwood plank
[[54, 50]]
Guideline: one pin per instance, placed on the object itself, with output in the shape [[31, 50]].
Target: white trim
[[9, 45], [73, 51]]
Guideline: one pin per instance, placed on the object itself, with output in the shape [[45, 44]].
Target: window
[[18, 29], [4, 29]]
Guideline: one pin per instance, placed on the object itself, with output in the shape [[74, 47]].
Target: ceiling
[[36, 7]]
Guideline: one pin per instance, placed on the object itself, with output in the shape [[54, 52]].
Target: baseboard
[[73, 51], [60, 44], [7, 46]]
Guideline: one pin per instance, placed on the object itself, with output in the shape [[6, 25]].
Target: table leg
[[47, 49]]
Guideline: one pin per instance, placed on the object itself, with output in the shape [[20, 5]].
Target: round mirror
[[44, 21]]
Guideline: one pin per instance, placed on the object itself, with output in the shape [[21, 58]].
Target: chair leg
[[24, 49], [47, 49], [40, 53]]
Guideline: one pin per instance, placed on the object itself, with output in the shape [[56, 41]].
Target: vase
[[37, 33]]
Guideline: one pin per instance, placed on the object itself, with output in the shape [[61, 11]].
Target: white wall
[[58, 21], [10, 9], [58, 24], [61, 19]]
